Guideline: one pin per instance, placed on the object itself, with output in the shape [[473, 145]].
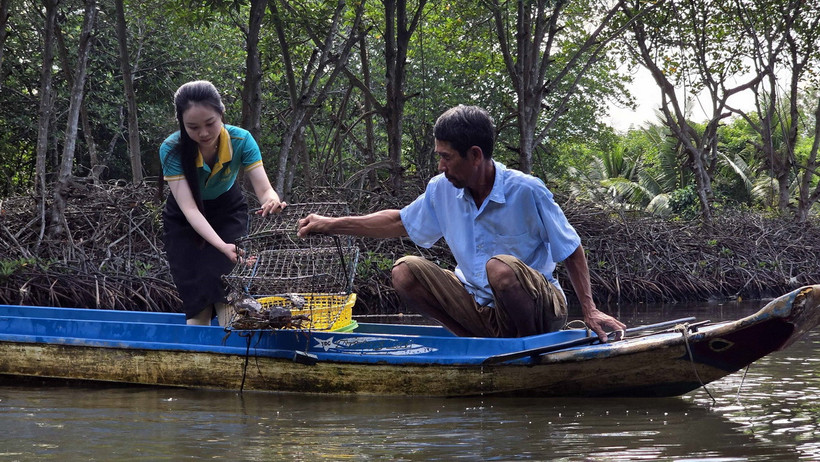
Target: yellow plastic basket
[[332, 312]]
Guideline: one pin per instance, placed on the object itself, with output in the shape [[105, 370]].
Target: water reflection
[[769, 413]]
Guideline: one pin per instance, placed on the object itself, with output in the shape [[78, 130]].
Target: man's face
[[457, 169]]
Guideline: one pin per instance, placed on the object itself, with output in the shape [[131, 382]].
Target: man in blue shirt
[[506, 234]]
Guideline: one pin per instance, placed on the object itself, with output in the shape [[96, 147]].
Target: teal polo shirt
[[237, 150]]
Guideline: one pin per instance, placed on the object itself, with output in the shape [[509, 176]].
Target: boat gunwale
[[454, 350], [212, 339]]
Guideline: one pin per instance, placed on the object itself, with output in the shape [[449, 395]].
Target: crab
[[282, 318], [251, 315], [244, 304]]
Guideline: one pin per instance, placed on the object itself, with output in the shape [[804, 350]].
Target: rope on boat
[[684, 329], [248, 335], [742, 380], [579, 324], [247, 357]]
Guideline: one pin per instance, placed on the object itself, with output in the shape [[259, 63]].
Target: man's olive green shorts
[[549, 313]]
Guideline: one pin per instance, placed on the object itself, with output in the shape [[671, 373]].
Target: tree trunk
[[4, 19], [252, 89], [806, 197], [134, 152], [91, 145], [326, 63], [368, 151], [528, 62], [290, 76], [803, 45], [394, 84], [665, 33], [288, 142], [88, 134], [46, 105], [398, 31], [778, 45], [67, 162], [703, 181]]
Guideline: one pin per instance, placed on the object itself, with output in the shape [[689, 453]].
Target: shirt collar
[[224, 152], [497, 193]]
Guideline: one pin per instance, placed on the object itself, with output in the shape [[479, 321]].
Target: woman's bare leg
[[203, 318]]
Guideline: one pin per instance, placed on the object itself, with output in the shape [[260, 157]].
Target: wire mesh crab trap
[[287, 281]]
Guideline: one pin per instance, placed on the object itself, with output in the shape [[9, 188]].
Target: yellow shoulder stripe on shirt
[[254, 165]]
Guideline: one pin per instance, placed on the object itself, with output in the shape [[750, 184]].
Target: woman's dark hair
[[464, 127], [196, 92]]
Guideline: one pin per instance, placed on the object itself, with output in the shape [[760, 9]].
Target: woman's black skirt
[[196, 266]]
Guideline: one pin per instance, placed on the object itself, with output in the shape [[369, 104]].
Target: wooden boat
[[158, 349]]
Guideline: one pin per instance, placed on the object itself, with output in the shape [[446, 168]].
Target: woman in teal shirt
[[206, 212]]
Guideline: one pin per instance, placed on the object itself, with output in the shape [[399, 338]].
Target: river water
[[769, 412]]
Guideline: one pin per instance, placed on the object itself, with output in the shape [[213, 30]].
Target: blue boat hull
[[159, 349]]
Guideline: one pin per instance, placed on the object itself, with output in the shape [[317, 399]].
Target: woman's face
[[203, 124]]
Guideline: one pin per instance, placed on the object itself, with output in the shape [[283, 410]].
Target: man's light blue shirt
[[518, 218]]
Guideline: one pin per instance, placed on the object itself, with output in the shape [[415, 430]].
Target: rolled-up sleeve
[[557, 231], [420, 221]]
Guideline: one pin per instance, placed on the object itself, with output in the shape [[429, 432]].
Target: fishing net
[[287, 281]]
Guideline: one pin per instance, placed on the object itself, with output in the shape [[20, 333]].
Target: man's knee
[[412, 259], [499, 274], [402, 275]]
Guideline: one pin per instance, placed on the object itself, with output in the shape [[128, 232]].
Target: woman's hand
[[237, 255], [272, 205], [231, 251]]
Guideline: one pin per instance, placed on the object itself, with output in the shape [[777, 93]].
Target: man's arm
[[596, 320], [385, 223]]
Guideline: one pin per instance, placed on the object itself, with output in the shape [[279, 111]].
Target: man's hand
[[381, 224], [600, 323], [313, 224]]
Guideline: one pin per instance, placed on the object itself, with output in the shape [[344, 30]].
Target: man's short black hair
[[464, 127]]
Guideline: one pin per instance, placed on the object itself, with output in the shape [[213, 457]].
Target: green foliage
[[372, 264], [9, 267], [629, 173], [142, 269], [454, 57], [684, 202]]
